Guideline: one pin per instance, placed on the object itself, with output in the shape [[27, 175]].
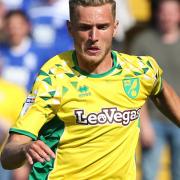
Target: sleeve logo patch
[[28, 103]]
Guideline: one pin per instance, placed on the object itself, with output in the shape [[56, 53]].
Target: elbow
[[4, 162], [7, 162], [7, 165]]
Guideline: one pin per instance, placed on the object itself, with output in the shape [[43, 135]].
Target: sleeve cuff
[[22, 132]]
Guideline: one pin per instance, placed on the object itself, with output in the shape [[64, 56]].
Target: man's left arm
[[168, 102]]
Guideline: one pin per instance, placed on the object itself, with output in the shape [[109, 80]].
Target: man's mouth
[[93, 50]]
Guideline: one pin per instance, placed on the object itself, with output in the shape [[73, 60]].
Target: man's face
[[92, 29], [17, 29], [169, 15]]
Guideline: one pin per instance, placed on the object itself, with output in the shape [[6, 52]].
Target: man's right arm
[[20, 148]]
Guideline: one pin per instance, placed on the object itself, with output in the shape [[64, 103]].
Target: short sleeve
[[40, 106], [157, 75]]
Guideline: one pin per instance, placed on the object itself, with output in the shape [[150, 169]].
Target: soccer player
[[81, 120]]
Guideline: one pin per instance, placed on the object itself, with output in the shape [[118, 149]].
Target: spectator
[[49, 25], [163, 43], [22, 57]]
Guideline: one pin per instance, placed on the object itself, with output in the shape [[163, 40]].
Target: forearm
[[13, 156], [14, 153], [20, 148], [168, 103]]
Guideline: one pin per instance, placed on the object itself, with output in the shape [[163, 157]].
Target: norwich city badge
[[131, 87]]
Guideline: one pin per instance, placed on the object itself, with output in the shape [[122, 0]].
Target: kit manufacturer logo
[[84, 91]]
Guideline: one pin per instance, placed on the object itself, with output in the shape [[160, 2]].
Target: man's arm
[[20, 148], [168, 102]]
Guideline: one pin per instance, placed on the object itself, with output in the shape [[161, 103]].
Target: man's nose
[[93, 34]]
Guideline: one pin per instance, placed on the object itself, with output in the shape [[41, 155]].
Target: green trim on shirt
[[77, 68], [26, 133], [161, 86]]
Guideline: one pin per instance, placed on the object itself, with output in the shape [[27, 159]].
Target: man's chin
[[93, 60]]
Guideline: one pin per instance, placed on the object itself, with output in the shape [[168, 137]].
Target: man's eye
[[103, 27], [84, 28]]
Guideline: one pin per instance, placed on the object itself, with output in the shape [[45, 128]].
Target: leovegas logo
[[107, 116]]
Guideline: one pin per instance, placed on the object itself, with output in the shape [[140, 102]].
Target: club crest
[[131, 87]]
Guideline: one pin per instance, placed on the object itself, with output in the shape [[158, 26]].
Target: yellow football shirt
[[90, 121]]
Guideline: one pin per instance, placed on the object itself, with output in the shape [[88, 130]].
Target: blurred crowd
[[32, 31]]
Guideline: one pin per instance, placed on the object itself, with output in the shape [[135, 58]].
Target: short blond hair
[[74, 3]]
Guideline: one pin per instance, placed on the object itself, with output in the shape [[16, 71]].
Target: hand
[[37, 151]]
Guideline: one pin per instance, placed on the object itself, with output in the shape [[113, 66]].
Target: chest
[[93, 101]]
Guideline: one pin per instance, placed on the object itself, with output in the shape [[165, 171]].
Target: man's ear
[[69, 26], [116, 24]]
